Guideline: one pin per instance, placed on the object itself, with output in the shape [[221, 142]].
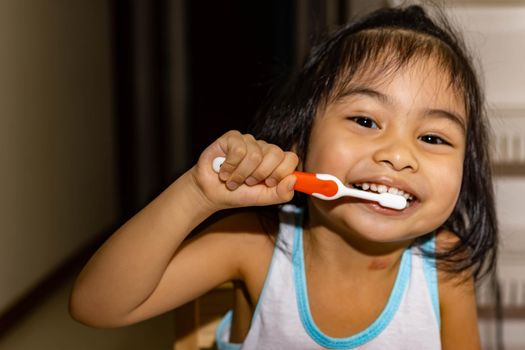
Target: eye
[[365, 122], [434, 140]]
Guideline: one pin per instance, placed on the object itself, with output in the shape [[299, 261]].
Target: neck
[[333, 250]]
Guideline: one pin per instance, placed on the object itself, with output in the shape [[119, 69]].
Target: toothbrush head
[[392, 201]]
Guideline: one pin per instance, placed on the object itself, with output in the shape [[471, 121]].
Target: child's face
[[407, 132]]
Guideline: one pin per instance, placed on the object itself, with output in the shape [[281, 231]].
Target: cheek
[[329, 157], [318, 154], [330, 150], [447, 187]]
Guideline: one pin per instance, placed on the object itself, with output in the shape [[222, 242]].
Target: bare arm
[[459, 322], [457, 298], [145, 269]]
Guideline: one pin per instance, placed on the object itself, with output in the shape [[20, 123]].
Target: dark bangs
[[373, 56]]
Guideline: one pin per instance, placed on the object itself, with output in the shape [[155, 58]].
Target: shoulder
[[451, 281], [446, 240], [457, 299]]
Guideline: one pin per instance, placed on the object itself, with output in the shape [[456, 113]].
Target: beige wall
[[57, 152]]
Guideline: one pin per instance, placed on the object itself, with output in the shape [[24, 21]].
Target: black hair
[[387, 40]]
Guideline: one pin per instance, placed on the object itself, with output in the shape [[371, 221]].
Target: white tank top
[[282, 319]]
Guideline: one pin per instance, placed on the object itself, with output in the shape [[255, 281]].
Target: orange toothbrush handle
[[308, 183]]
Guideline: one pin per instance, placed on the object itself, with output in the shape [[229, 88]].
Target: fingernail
[[232, 185], [271, 182], [251, 181], [291, 185], [224, 175]]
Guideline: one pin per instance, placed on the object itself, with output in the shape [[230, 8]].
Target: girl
[[388, 103]]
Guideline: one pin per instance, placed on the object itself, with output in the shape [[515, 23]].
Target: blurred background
[[104, 103]]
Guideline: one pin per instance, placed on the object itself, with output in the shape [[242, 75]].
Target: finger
[[248, 164], [284, 189], [272, 157], [281, 193], [235, 149], [287, 166]]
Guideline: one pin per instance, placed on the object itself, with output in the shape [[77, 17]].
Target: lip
[[376, 208]]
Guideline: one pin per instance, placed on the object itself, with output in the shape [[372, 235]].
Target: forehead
[[427, 76]]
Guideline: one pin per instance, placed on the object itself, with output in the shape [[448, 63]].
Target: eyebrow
[[385, 99], [451, 116], [363, 90]]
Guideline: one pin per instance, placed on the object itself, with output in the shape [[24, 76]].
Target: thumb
[[284, 189]]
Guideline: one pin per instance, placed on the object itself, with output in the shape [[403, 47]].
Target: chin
[[378, 231], [375, 236]]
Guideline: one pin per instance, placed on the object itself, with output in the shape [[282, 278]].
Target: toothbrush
[[329, 187]]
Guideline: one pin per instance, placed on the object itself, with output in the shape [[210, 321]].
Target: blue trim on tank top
[[225, 322], [371, 331], [430, 272]]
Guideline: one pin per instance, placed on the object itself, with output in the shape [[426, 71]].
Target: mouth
[[382, 188]]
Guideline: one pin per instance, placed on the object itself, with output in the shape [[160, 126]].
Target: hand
[[254, 172]]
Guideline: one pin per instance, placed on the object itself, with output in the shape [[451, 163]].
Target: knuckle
[[255, 157], [232, 133], [262, 143], [292, 157], [249, 137], [275, 150], [238, 151]]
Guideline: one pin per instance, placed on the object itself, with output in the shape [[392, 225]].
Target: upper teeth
[[383, 188]]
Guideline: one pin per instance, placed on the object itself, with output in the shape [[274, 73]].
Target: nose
[[397, 154]]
